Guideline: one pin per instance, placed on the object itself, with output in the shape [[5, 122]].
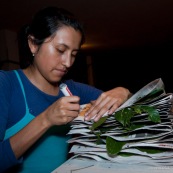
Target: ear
[[31, 42]]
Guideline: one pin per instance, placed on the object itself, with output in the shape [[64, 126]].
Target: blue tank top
[[48, 153]]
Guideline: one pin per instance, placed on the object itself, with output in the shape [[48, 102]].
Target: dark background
[[130, 41], [132, 68]]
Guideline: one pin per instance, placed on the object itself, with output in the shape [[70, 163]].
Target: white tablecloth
[[90, 166]]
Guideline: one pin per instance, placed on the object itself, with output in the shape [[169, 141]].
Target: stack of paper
[[140, 131]]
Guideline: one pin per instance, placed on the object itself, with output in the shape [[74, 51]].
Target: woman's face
[[56, 55]]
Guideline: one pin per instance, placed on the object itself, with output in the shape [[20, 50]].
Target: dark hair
[[44, 24]]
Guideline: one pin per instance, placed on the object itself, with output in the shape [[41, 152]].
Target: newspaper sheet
[[144, 141]]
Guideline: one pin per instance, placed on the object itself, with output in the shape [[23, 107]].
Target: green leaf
[[125, 154], [98, 123], [124, 116], [154, 116], [134, 126], [99, 141], [151, 150], [113, 147], [137, 109]]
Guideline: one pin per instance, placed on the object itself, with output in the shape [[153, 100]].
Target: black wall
[[129, 67]]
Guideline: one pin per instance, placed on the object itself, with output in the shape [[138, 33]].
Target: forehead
[[67, 35]]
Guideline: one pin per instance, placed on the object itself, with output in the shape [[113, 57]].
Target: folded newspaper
[[140, 131]]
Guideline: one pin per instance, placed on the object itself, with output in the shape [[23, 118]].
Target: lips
[[60, 72]]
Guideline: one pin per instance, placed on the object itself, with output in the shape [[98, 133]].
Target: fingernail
[[86, 118]]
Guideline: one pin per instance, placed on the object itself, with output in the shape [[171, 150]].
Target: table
[[91, 166]]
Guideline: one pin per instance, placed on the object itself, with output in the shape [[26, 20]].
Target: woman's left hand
[[107, 102]]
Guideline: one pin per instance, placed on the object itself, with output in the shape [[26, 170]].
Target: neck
[[40, 82]]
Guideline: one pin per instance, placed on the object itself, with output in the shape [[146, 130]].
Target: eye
[[60, 51], [74, 54]]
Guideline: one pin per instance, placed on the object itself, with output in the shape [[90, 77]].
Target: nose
[[67, 61]]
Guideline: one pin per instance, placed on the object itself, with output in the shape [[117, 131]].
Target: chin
[[55, 79]]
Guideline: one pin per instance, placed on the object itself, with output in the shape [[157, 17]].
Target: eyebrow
[[69, 47]]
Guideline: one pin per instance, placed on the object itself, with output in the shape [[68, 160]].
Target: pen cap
[[65, 90]]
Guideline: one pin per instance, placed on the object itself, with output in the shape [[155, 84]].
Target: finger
[[96, 106], [106, 108], [98, 110], [93, 102], [72, 99], [67, 119], [114, 106]]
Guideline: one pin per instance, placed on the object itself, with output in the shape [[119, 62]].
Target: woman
[[35, 114]]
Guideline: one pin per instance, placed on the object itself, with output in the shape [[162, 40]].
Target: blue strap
[[25, 120]]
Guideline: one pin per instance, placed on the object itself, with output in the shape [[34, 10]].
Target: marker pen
[[65, 90]]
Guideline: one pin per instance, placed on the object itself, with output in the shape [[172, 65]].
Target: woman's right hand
[[63, 111]]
